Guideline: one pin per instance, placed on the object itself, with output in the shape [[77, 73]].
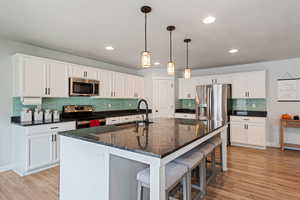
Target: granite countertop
[[157, 139], [248, 113], [181, 110], [68, 118]]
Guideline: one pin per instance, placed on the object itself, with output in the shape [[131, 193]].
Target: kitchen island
[[102, 162]]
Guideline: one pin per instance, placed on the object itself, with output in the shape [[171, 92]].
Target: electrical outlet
[[109, 105], [130, 105], [253, 105]]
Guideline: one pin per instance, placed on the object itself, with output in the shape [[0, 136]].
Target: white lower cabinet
[[248, 131], [37, 147]]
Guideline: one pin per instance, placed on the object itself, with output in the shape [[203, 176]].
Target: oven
[[83, 87]]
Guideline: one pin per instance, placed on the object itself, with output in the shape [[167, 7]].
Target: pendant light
[[171, 64], [187, 70], [146, 55]]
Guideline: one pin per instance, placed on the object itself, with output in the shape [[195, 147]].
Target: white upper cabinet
[[249, 85], [41, 77], [105, 78], [57, 80], [187, 88], [37, 77], [80, 71]]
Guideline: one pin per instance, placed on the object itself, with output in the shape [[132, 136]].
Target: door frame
[[154, 94]]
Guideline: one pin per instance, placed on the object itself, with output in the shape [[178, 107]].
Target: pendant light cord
[[187, 55], [145, 31], [171, 58]]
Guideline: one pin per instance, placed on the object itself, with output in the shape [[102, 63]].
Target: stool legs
[[202, 177]]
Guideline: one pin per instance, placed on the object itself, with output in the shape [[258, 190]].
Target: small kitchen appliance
[[48, 115], [56, 115], [38, 114], [26, 115]]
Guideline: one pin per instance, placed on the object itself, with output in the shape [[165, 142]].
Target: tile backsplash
[[58, 103], [237, 104]]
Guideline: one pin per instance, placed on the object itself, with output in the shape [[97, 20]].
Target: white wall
[[9, 48], [275, 70]]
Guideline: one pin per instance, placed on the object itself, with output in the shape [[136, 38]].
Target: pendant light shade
[[187, 70], [171, 64], [146, 55]]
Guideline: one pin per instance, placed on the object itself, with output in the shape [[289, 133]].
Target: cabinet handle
[[114, 93], [48, 91], [86, 74], [54, 128], [111, 94], [55, 138], [45, 91], [248, 94], [52, 138]]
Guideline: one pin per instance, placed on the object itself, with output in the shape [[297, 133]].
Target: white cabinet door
[[256, 85], [256, 134], [33, 77], [238, 133], [119, 85], [129, 86], [40, 150], [91, 73], [57, 78], [105, 77], [77, 71], [239, 86]]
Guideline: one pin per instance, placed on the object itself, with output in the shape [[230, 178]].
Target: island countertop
[[157, 139]]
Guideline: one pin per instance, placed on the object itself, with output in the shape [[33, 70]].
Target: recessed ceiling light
[[109, 48], [156, 63], [209, 20], [233, 51]]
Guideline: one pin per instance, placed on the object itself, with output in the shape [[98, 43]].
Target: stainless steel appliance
[[83, 87], [213, 102], [84, 116]]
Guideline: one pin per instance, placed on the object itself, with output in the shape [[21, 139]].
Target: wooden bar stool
[[192, 160], [175, 173]]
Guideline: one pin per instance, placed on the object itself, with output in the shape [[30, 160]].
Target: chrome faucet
[[147, 109]]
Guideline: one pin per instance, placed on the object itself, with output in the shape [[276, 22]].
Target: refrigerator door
[[204, 102], [220, 101]]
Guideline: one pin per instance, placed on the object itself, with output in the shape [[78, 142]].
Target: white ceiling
[[261, 29]]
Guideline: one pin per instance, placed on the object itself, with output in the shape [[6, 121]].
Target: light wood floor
[[253, 174]]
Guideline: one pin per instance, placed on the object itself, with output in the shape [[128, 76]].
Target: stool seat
[[207, 148], [216, 141], [174, 172], [191, 159]]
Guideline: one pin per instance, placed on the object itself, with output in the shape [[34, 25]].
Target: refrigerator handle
[[209, 103]]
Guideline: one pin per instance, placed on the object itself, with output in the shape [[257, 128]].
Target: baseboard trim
[[5, 168]]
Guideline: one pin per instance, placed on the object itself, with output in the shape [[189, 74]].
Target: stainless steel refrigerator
[[213, 102]]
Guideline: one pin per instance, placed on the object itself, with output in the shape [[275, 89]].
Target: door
[[256, 134], [163, 96], [40, 150], [238, 133], [56, 148], [239, 85], [77, 71], [256, 86], [119, 85], [105, 77], [34, 77], [58, 79], [91, 73]]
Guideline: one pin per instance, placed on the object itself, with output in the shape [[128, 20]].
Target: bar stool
[[217, 142], [192, 160], [175, 173]]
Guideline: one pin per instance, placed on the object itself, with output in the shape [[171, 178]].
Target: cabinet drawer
[[112, 120], [245, 119], [185, 116], [125, 119], [56, 127]]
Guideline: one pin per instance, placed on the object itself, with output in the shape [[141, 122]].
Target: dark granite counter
[[191, 111], [157, 139], [17, 121], [80, 116], [247, 113]]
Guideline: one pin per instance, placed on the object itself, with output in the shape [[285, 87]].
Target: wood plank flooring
[[253, 175]]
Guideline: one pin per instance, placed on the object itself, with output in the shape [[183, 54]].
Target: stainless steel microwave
[[83, 87]]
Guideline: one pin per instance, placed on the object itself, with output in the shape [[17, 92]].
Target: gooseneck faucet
[[147, 109]]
